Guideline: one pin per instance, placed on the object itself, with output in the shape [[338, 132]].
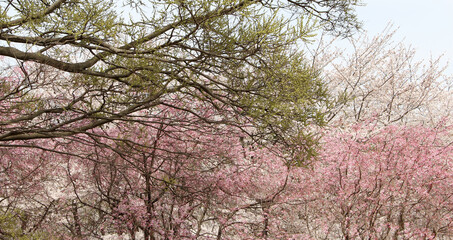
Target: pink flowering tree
[[27, 205], [391, 183], [169, 180]]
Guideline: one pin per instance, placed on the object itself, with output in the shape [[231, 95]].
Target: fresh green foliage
[[91, 63], [11, 227]]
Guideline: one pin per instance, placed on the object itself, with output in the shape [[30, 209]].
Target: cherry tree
[[28, 205], [176, 178], [390, 183], [378, 77]]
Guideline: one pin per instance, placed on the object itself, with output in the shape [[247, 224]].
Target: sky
[[426, 25]]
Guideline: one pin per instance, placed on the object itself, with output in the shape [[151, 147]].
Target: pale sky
[[425, 25]]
